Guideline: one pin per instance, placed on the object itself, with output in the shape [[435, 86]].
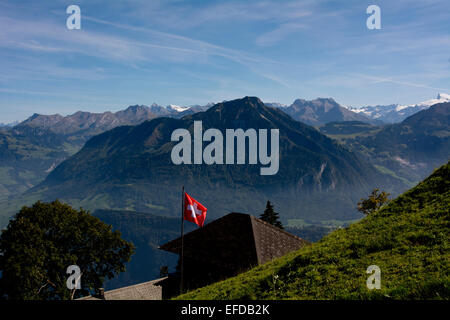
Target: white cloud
[[403, 83], [280, 33]]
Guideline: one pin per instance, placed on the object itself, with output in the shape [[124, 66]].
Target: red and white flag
[[194, 211]]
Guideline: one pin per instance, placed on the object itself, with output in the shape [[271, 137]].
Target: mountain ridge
[[395, 113], [323, 110], [133, 162], [34, 147], [412, 148]]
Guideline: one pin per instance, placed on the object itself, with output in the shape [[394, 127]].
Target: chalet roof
[[222, 248], [143, 291], [237, 236]]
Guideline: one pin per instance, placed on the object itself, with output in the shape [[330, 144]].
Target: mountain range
[[32, 148], [130, 168], [87, 124], [9, 124], [118, 165], [395, 113], [406, 152], [323, 110], [410, 149]]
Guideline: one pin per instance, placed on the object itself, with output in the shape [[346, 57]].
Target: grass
[[299, 223], [393, 174], [408, 239]]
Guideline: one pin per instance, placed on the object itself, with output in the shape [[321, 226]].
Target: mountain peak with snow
[[177, 108], [443, 96], [396, 112]]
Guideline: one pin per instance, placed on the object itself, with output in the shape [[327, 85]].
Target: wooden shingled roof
[[150, 290], [239, 237]]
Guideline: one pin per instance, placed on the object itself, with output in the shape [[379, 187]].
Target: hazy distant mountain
[[275, 105], [191, 110], [8, 125], [159, 110], [87, 123], [396, 113], [130, 168], [33, 148], [413, 148], [322, 110]]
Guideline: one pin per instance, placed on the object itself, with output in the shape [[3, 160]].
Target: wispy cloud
[[212, 50], [175, 16], [279, 33], [403, 83], [171, 41], [52, 38]]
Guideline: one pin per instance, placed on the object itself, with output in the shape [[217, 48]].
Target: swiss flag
[[194, 211]]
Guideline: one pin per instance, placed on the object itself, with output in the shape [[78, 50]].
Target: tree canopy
[[43, 240], [375, 201], [271, 216]]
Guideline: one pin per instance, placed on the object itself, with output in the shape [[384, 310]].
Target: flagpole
[[182, 243]]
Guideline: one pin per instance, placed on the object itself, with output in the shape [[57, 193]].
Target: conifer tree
[[271, 216]]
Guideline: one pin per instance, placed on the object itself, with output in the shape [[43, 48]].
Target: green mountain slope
[[34, 147], [347, 129], [410, 149], [409, 240], [27, 155]]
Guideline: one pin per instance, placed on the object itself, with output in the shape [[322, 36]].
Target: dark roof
[[143, 291], [272, 242], [243, 236]]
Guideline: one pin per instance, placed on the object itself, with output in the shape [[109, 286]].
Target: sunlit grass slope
[[409, 240]]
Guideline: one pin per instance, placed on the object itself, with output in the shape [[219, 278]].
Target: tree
[[375, 201], [40, 243], [271, 216]]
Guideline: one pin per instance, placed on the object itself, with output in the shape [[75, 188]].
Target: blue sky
[[195, 52]]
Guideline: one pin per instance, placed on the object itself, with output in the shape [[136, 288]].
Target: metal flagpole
[[182, 243]]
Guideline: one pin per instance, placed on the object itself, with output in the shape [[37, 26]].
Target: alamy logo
[[374, 280], [74, 281], [213, 153], [74, 20], [374, 20]]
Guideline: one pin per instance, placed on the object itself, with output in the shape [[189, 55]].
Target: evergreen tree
[[271, 216]]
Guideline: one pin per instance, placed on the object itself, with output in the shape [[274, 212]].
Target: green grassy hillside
[[409, 240]]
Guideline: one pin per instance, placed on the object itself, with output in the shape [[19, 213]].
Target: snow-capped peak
[[401, 107], [177, 108], [443, 96], [397, 112]]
